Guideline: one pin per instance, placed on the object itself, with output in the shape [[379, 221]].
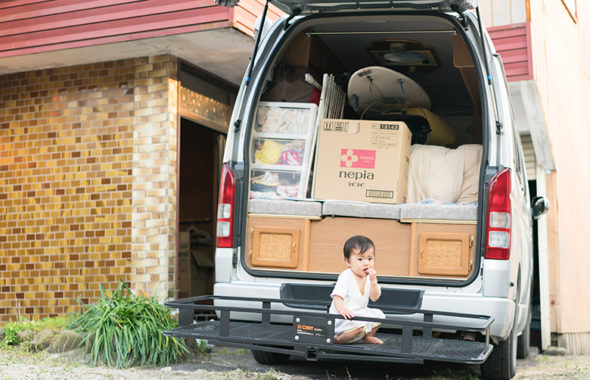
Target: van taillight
[[499, 223], [225, 208]]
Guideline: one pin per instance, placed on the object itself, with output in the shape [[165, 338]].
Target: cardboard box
[[363, 160]]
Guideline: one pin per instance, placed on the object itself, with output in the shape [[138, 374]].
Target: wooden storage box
[[417, 249], [278, 243], [442, 250], [391, 238]]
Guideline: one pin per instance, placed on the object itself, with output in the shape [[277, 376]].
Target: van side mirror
[[540, 207]]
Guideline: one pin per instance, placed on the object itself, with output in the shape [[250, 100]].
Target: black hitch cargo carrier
[[268, 325]]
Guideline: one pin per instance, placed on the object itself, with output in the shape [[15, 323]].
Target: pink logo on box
[[357, 158]]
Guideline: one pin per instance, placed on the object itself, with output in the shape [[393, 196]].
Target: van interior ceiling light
[[226, 208], [409, 53], [499, 210], [400, 56]]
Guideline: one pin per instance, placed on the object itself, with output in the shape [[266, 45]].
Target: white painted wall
[[561, 66], [502, 12]]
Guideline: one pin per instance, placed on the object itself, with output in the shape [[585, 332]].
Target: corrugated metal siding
[[529, 156], [513, 44], [35, 26]]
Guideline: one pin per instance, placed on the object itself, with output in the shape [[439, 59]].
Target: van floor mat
[[255, 335]]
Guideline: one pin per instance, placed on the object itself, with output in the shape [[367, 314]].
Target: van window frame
[[264, 63], [518, 160]]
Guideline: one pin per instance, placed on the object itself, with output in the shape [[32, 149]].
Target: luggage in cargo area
[[390, 150]]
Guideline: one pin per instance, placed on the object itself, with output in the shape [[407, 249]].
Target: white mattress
[[435, 211], [361, 209], [285, 207], [413, 211]]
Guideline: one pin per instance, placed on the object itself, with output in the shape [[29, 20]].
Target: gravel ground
[[15, 364], [225, 363]]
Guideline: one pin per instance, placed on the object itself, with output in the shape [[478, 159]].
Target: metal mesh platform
[[252, 331], [256, 335], [310, 334]]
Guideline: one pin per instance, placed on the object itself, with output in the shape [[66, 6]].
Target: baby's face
[[359, 262]]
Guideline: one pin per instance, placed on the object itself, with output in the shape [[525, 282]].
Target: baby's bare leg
[[346, 337], [370, 338]]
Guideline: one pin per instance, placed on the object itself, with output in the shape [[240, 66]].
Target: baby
[[351, 294]]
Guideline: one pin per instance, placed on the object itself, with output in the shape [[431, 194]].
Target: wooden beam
[[543, 257]]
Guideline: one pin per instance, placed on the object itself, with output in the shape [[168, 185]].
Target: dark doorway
[[199, 168], [535, 296]]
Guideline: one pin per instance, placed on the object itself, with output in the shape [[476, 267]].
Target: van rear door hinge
[[294, 13], [462, 19], [237, 125], [498, 128], [227, 3]]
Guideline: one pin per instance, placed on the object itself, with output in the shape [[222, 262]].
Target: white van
[[448, 208]]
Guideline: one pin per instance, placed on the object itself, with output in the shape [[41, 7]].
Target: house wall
[[561, 56], [87, 183], [503, 12], [513, 43], [29, 26]]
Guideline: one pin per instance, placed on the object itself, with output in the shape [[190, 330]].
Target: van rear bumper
[[501, 309]]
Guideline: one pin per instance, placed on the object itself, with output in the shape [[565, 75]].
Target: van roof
[[329, 6]]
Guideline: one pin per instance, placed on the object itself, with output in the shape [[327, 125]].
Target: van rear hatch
[[294, 230], [310, 6]]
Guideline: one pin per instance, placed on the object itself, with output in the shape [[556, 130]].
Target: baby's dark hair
[[362, 243]]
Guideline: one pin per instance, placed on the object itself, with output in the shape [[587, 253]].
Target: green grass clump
[[12, 329], [123, 329]]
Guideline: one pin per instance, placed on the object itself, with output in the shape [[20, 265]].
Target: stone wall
[[154, 175], [87, 183]]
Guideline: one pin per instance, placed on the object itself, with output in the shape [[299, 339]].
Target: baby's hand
[[346, 313], [372, 273]]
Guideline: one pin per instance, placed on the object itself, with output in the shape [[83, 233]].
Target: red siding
[[513, 43], [36, 26]]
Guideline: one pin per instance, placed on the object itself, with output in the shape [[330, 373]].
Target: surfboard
[[382, 89]]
